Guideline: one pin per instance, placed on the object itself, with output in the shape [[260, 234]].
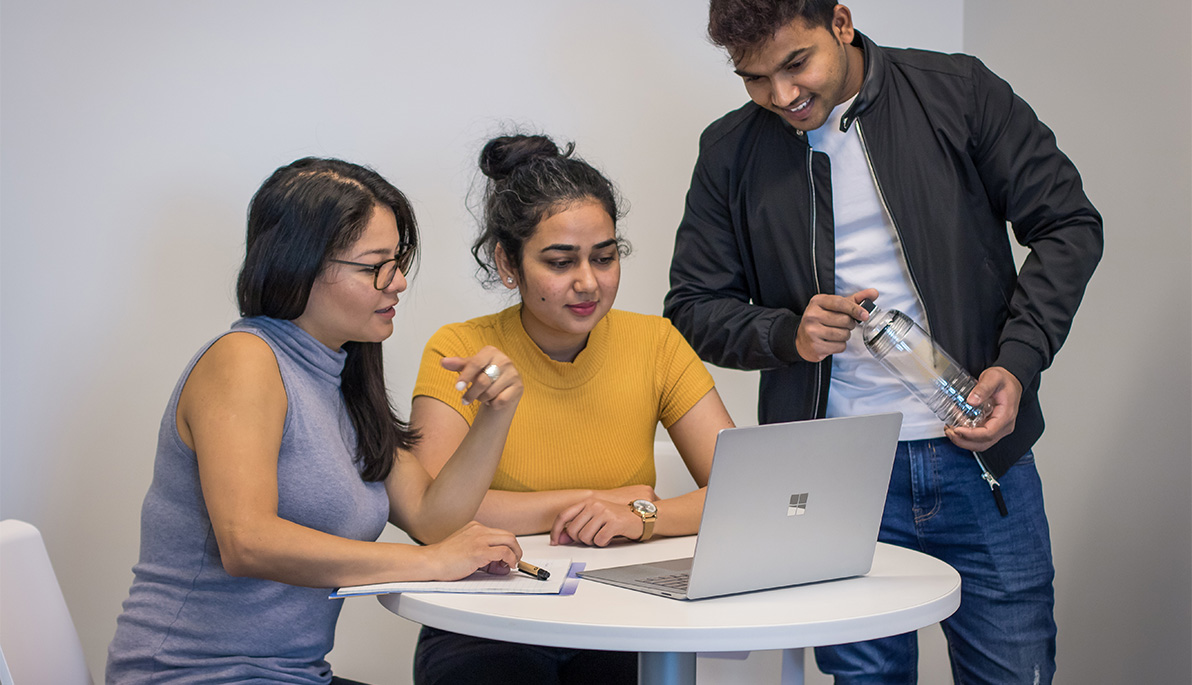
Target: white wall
[[1115, 82], [133, 134]]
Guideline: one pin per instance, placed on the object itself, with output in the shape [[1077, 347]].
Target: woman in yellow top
[[579, 459]]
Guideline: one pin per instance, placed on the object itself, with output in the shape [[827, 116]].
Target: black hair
[[741, 25], [303, 214], [531, 179]]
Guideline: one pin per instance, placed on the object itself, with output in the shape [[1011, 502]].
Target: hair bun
[[501, 156]]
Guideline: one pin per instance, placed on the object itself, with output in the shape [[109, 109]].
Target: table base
[[678, 668]]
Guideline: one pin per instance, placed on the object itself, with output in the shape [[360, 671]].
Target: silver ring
[[493, 372]]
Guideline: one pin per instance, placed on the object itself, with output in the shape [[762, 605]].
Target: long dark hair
[[529, 180], [305, 213]]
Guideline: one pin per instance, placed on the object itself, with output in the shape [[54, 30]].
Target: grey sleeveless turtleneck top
[[186, 620]]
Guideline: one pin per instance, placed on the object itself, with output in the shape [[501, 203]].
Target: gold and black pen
[[532, 570]]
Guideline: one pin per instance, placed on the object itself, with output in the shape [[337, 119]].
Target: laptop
[[787, 504]]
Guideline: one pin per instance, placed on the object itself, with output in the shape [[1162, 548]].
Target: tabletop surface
[[905, 590]]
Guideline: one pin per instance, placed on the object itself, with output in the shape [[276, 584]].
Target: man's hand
[[827, 323], [1002, 387]]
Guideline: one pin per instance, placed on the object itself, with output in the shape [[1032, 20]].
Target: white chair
[[38, 641]]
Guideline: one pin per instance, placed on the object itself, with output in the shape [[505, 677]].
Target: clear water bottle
[[931, 375]]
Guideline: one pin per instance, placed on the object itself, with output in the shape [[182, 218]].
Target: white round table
[[904, 591]]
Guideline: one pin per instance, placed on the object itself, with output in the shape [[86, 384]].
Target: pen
[[532, 570]]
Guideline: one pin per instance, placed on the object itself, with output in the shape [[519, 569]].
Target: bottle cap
[[868, 305]]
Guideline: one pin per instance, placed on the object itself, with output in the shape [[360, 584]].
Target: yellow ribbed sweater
[[587, 424]]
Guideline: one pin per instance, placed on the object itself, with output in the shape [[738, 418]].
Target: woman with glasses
[[280, 458], [579, 460]]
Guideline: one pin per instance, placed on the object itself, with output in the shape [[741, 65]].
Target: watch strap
[[648, 521]]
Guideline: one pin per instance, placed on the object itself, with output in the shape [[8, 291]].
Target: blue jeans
[[1004, 630]]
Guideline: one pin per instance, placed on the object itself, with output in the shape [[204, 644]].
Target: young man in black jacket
[[855, 172]]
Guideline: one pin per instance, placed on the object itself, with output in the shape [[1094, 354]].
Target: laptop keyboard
[[676, 581]]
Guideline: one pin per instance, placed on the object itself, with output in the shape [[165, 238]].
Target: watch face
[[645, 506]]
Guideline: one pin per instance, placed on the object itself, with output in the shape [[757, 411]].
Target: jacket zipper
[[819, 371], [881, 195], [994, 486]]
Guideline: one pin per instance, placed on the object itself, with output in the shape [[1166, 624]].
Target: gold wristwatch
[[649, 513]]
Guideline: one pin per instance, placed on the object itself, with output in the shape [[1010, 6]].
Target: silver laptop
[[787, 503]]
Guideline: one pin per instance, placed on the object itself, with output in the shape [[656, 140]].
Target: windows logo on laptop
[[798, 505]]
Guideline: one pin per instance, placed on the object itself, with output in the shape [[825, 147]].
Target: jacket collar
[[871, 84]]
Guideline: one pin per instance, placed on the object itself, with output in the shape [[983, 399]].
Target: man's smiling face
[[802, 72]]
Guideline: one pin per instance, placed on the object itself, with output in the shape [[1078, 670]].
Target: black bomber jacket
[[956, 155]]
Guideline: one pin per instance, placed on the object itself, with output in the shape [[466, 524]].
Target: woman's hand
[[596, 522], [474, 547], [488, 377], [600, 517]]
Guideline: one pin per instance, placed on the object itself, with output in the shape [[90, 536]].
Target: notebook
[[787, 503]]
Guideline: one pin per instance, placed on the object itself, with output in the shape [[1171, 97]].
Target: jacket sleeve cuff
[[782, 338], [1021, 360]]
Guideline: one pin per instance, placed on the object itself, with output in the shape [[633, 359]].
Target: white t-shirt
[[868, 255]]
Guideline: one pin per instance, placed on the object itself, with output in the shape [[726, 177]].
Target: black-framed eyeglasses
[[386, 271]]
